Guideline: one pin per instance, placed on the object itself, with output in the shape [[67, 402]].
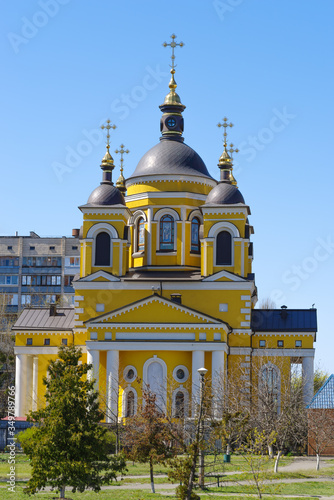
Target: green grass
[[308, 487]]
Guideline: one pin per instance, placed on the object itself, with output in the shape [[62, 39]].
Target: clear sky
[[68, 65]]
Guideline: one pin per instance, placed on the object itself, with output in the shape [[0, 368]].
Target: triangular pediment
[[99, 276], [154, 309], [224, 276]]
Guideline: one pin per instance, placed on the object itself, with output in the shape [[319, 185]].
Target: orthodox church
[[165, 287]]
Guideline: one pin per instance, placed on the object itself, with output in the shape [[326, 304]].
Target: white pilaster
[[308, 378], [112, 385], [34, 382], [20, 383], [27, 406], [197, 362], [149, 235], [93, 357]]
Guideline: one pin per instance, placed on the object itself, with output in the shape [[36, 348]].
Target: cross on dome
[[108, 127], [173, 44]]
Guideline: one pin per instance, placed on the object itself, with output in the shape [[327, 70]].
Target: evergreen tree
[[68, 447]]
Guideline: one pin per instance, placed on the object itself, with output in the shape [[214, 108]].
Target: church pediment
[[99, 276], [154, 309], [224, 276]]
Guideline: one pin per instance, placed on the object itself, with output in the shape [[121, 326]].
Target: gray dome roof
[[106, 194], [224, 194], [171, 157]]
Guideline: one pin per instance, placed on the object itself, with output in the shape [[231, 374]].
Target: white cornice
[[148, 179], [168, 194], [135, 284], [35, 351], [292, 353], [155, 346], [113, 210], [157, 326], [221, 210]]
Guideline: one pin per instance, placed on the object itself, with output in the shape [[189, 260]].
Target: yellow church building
[[165, 287]]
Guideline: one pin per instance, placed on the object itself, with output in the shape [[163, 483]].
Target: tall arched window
[[130, 404], [179, 405], [102, 249], [167, 233], [269, 389], [195, 223], [224, 249], [140, 235]]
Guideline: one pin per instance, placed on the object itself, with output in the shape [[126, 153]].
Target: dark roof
[[324, 398], [273, 320], [224, 194], [171, 157], [106, 194], [38, 318]]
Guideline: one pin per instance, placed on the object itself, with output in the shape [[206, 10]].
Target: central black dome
[[171, 157]]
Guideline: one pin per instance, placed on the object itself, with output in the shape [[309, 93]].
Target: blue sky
[[67, 66]]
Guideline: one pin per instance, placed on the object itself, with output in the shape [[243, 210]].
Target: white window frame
[[186, 401], [157, 217], [213, 233], [92, 233], [126, 391]]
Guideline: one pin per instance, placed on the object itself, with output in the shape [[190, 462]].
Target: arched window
[[195, 223], [140, 235], [269, 389], [224, 249], [167, 233], [130, 404], [179, 405], [102, 249]]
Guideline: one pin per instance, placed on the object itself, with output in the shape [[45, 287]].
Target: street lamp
[[202, 372]]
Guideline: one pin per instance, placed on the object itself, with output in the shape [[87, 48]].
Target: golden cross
[[231, 150], [121, 152], [108, 127], [225, 125], [173, 44]]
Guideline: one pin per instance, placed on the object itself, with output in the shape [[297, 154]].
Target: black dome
[[106, 194], [224, 194], [171, 157]]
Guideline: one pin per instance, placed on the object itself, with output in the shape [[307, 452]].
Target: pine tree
[[68, 447]]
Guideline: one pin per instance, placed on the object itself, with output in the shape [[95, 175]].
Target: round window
[[130, 374], [181, 374]]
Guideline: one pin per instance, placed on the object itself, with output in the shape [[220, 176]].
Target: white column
[[218, 380], [20, 383], [27, 406], [120, 269], [183, 242], [112, 385], [34, 382], [149, 236], [308, 378], [197, 362], [93, 357]]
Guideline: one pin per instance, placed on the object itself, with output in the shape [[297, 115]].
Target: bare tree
[[320, 431]]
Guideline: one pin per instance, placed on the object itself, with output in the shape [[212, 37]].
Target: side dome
[[171, 157], [106, 194], [224, 194]]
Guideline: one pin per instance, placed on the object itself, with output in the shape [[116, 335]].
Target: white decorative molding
[[224, 274], [149, 179], [155, 346], [186, 374], [245, 297], [155, 336], [292, 353]]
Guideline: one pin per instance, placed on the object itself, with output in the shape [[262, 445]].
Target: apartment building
[[37, 270]]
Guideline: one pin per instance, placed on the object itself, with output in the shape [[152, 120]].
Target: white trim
[[31, 350], [125, 371], [157, 219], [186, 374], [232, 209], [163, 389], [291, 333], [223, 226], [149, 300], [113, 210], [186, 401], [161, 326], [154, 336], [148, 179], [195, 213], [166, 211], [154, 346], [224, 274], [124, 400], [240, 351], [165, 194], [291, 353], [125, 284], [96, 275], [245, 297], [101, 227], [275, 368], [136, 215]]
